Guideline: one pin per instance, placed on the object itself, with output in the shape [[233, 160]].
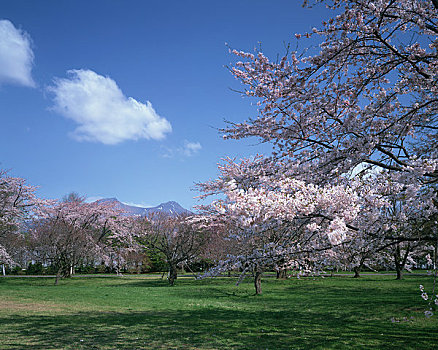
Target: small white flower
[[428, 313]]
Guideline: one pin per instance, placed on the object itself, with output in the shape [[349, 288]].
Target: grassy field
[[142, 312]]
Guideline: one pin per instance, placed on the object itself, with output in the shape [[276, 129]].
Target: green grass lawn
[[143, 312]]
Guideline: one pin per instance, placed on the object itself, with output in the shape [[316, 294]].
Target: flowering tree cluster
[[354, 128], [65, 233], [71, 230], [176, 237], [276, 222]]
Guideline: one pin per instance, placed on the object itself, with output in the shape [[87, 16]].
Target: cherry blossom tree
[[368, 97], [72, 230], [276, 222], [176, 237], [18, 203], [365, 103], [390, 223]]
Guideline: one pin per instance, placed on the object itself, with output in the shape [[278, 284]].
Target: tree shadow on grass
[[162, 282], [217, 315], [208, 328], [146, 283]]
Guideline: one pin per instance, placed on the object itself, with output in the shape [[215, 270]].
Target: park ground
[[143, 312]]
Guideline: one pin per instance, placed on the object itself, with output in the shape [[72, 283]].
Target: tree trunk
[[399, 273], [397, 264], [58, 276], [173, 274], [357, 271], [400, 261], [3, 269], [63, 272], [282, 274], [358, 268], [258, 282], [66, 272]]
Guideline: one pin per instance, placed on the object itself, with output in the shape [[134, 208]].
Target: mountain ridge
[[170, 207]]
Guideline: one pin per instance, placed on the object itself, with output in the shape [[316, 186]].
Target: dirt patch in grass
[[9, 304]]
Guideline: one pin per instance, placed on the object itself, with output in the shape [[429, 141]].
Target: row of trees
[[352, 179], [70, 232], [244, 234]]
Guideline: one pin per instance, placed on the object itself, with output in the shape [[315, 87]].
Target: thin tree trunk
[[400, 262], [258, 282], [58, 276], [397, 263], [3, 269]]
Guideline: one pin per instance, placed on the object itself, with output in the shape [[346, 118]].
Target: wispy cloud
[[103, 113], [188, 149], [16, 55]]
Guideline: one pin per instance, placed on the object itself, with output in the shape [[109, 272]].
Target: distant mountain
[[172, 208], [169, 207]]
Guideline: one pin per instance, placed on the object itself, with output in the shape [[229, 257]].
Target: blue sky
[[124, 98]]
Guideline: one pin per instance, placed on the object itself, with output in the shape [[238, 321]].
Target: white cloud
[[103, 112], [190, 148], [16, 55]]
